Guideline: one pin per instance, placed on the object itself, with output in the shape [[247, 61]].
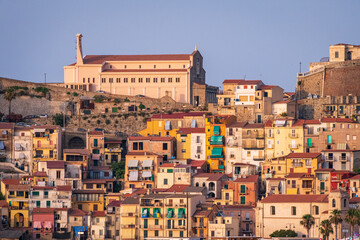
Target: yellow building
[[112, 151], [46, 145], [283, 136], [201, 218], [303, 163], [169, 124], [129, 218], [183, 144], [96, 146], [274, 168], [88, 200], [300, 183], [215, 129], [17, 197], [179, 76]]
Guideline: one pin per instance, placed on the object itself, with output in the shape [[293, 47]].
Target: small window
[[293, 211], [333, 203], [272, 210], [336, 54]]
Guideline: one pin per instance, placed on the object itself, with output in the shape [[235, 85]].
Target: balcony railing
[[253, 146], [99, 145], [296, 164], [293, 135], [344, 159], [150, 226], [18, 208], [44, 146], [259, 158], [294, 146]]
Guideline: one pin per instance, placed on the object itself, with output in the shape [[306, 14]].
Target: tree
[[336, 219], [307, 221], [9, 96], [352, 218], [118, 169], [284, 233], [141, 106], [326, 228], [59, 119]]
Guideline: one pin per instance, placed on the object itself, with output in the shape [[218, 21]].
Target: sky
[[256, 40]]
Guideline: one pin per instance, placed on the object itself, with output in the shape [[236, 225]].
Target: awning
[[216, 130], [17, 147], [217, 153], [2, 147], [146, 174], [39, 130], [96, 156], [216, 140], [37, 224], [167, 125], [133, 176], [47, 224], [193, 123], [4, 131], [147, 163], [22, 156], [133, 163]]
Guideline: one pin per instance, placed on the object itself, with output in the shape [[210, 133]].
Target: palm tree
[[307, 221], [336, 219], [352, 218], [326, 228], [9, 95]]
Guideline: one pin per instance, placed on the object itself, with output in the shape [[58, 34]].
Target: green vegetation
[[336, 219], [141, 106], [126, 100], [75, 94], [103, 116], [284, 114], [326, 228], [42, 90], [107, 121], [118, 169], [68, 93], [99, 98], [284, 233], [299, 83], [9, 96], [2, 197], [307, 221], [98, 121], [59, 119], [116, 100], [85, 118]]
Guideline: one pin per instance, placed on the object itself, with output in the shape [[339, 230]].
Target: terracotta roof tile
[[177, 188], [325, 170], [76, 212], [354, 200], [346, 120], [3, 203], [102, 180], [197, 163], [99, 59], [7, 125], [43, 188], [233, 81], [210, 176], [289, 198], [266, 87], [77, 151], [11, 181], [237, 125], [114, 204], [254, 125], [98, 214], [100, 133], [143, 154], [167, 165], [205, 213], [55, 164], [191, 130], [89, 191], [303, 155], [250, 178], [64, 188], [40, 174]]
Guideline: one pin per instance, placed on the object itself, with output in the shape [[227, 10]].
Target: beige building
[[179, 76], [22, 147], [223, 226], [284, 211]]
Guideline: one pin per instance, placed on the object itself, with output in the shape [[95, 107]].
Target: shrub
[[99, 98], [169, 112], [107, 121], [284, 114], [126, 100], [141, 106], [284, 233], [103, 116], [94, 117], [89, 121], [116, 100], [68, 93], [85, 118], [75, 94], [98, 121], [42, 90], [59, 119], [299, 83], [119, 115]]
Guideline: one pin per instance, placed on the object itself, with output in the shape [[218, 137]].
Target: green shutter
[[95, 142], [169, 170], [217, 153], [322, 185], [114, 109], [48, 203], [242, 200], [329, 139], [242, 189], [309, 142]]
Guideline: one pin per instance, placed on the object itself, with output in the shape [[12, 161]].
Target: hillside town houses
[[244, 168]]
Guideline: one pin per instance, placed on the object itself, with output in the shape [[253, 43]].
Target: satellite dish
[[324, 59]]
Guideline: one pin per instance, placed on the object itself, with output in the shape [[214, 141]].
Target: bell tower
[[79, 55]]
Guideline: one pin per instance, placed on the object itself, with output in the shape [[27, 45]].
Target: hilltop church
[[179, 76]]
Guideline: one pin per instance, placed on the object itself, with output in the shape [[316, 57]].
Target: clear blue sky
[[260, 39]]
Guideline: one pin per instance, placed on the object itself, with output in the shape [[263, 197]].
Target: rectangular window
[[165, 146], [118, 80], [162, 80], [165, 181], [242, 189], [147, 80], [126, 80], [336, 54], [309, 142], [155, 80], [58, 174], [48, 204], [140, 80], [293, 211], [141, 146], [170, 80], [177, 79], [110, 80], [272, 210], [37, 204], [35, 194], [135, 146], [132, 80]]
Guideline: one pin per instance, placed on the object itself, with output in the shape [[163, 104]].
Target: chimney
[[79, 56]]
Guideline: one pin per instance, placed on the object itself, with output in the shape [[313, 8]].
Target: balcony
[[293, 135], [260, 136], [247, 220], [3, 137], [344, 159], [44, 146], [268, 175], [129, 215], [294, 146], [18, 208], [259, 158], [296, 164], [69, 175], [217, 140], [150, 226], [99, 145], [149, 204], [330, 158], [199, 225], [63, 197], [253, 146]]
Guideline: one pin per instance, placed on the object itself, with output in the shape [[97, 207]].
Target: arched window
[[197, 184], [333, 203], [203, 184]]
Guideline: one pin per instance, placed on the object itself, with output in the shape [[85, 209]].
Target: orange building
[[245, 190]]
